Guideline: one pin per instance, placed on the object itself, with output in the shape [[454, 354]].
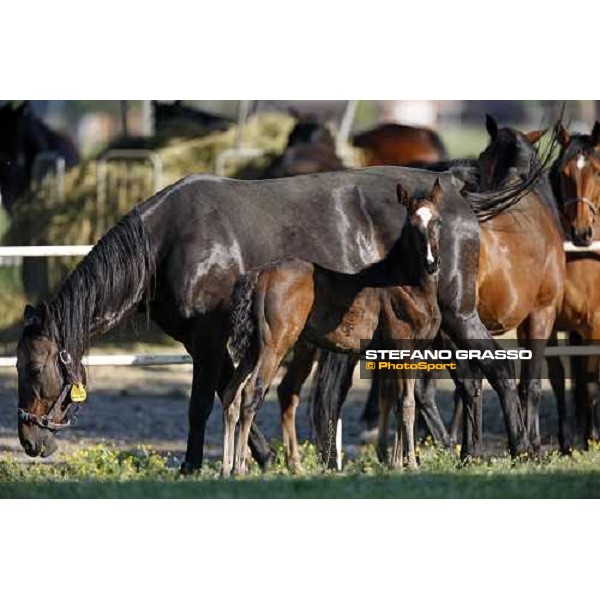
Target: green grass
[[106, 472]]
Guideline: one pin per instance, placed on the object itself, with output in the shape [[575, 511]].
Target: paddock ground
[[131, 437]]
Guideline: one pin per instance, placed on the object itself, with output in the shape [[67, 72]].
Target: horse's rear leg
[[457, 417], [232, 400], [387, 396], [534, 333], [252, 397], [470, 333], [407, 420], [556, 374], [425, 398], [289, 397], [261, 449]]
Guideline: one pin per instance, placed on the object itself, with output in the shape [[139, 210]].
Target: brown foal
[[393, 302]]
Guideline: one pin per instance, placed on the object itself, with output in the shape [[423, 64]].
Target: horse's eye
[[35, 371]]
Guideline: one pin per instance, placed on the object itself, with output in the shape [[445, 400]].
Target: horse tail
[[332, 381], [243, 325]]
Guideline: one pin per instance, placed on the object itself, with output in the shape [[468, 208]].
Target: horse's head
[[577, 183], [50, 383], [424, 220], [509, 151], [309, 129]]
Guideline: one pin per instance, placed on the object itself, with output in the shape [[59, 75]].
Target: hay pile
[[74, 221]]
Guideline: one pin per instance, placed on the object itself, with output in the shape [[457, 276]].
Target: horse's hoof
[[186, 469], [382, 454], [520, 448], [295, 467], [566, 449], [268, 461]]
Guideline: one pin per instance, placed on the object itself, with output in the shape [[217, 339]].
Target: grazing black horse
[[310, 149], [22, 137], [180, 253]]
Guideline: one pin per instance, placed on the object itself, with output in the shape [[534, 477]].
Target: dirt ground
[[148, 405]]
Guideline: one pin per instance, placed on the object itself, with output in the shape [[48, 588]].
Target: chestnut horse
[[521, 268], [576, 182], [401, 145], [393, 301]]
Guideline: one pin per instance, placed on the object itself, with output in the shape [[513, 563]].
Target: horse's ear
[[403, 196], [535, 136], [596, 134], [31, 316], [562, 134], [437, 193], [491, 126]]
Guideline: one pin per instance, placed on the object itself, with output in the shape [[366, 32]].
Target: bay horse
[[310, 148], [521, 272], [575, 178], [393, 303], [22, 137], [180, 252], [401, 145], [519, 284]]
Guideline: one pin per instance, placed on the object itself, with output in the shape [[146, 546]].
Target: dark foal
[[393, 302]]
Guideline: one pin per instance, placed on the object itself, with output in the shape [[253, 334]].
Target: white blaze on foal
[[580, 161], [425, 215]]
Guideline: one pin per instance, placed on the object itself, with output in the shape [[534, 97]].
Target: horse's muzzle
[[582, 236], [37, 442]]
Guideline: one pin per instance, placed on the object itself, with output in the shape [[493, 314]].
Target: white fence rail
[[133, 360]]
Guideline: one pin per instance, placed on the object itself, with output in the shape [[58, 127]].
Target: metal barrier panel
[[48, 178], [123, 178]]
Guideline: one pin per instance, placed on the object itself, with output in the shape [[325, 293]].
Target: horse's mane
[[489, 204], [106, 286]]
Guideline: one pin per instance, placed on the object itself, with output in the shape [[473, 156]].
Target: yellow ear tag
[[78, 393]]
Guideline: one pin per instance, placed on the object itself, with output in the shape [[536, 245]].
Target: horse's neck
[[107, 286], [387, 272]]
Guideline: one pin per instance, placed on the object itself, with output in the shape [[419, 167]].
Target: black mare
[[22, 137], [183, 249]]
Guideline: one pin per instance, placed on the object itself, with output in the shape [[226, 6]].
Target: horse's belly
[[581, 302]]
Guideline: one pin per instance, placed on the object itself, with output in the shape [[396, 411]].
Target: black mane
[[527, 173], [107, 286]]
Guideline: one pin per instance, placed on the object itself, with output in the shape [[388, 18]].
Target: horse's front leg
[[408, 383], [204, 383], [591, 393]]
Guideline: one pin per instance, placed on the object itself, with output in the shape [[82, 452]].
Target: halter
[[69, 418], [585, 201]]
